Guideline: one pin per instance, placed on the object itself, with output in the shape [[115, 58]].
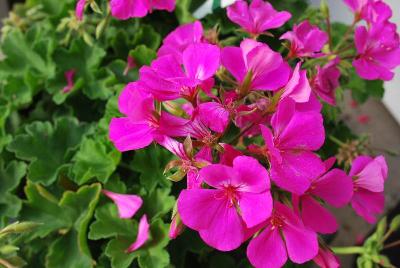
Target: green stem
[[392, 245], [346, 35], [336, 140], [347, 250], [126, 166]]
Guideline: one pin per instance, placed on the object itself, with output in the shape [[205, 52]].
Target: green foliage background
[[55, 156]]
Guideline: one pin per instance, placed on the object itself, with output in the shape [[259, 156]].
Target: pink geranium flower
[[378, 51], [326, 259], [255, 66], [298, 88], [142, 124], [125, 9], [372, 11], [326, 81], [369, 175], [284, 236], [257, 17], [178, 40], [306, 40], [127, 204], [166, 79], [214, 213], [292, 161]]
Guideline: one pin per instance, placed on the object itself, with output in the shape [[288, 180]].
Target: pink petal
[[265, 17], [239, 13], [232, 59], [230, 153], [168, 5], [127, 205], [214, 115], [382, 162], [143, 235], [218, 175], [273, 153], [370, 178], [329, 162], [284, 113], [253, 176], [359, 164], [326, 259], [298, 88], [201, 60], [255, 208], [172, 125], [317, 217], [80, 8], [135, 102], [267, 250], [368, 204], [125, 9], [313, 105]]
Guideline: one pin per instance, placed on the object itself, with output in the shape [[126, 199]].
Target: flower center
[[231, 193], [277, 221]]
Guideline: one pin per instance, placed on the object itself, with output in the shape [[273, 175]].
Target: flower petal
[[254, 177], [127, 204], [143, 235], [255, 207], [317, 217]]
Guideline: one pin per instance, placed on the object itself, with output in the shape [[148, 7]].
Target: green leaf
[[115, 250], [395, 224], [46, 147], [158, 203], [148, 37], [108, 224], [363, 89], [143, 55], [95, 159], [182, 11], [17, 92]]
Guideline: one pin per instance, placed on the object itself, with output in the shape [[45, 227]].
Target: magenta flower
[[298, 88], [178, 40], [376, 11], [326, 82], [125, 9], [255, 66], [326, 259], [378, 51], [166, 80], [306, 40], [292, 161], [79, 9], [69, 76], [284, 236], [257, 17], [214, 213], [142, 236], [229, 154], [142, 124], [127, 204], [333, 187], [369, 175]]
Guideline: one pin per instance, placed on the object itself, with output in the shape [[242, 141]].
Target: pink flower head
[[333, 187], [257, 17], [69, 76], [326, 259], [142, 236], [306, 40], [142, 124], [79, 9], [369, 175], [127, 204], [125, 9], [284, 236], [178, 40], [298, 88], [326, 81], [166, 79], [376, 11], [214, 213], [378, 51], [255, 66], [289, 146]]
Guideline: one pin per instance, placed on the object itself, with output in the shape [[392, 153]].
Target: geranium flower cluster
[[245, 125]]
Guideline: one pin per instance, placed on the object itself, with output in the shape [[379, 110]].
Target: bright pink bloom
[[313, 105], [178, 40], [229, 154], [326, 82], [326, 259], [142, 236], [252, 115], [69, 76], [333, 187], [125, 9], [166, 80], [79, 9], [142, 124], [376, 11], [378, 51], [292, 161], [255, 66], [284, 236], [298, 88], [214, 213], [306, 40], [257, 17], [369, 175], [127, 204]]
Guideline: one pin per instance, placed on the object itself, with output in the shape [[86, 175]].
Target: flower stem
[[336, 140], [392, 245], [347, 250]]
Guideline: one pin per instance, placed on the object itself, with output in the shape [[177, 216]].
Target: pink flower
[[306, 40], [326, 259], [143, 235], [257, 17], [356, 5], [369, 175], [326, 81], [214, 212], [142, 124], [69, 76], [178, 40], [284, 236], [229, 154], [125, 9], [290, 154], [333, 187], [127, 204], [298, 88], [79, 9], [255, 66], [166, 80], [378, 51], [372, 11]]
